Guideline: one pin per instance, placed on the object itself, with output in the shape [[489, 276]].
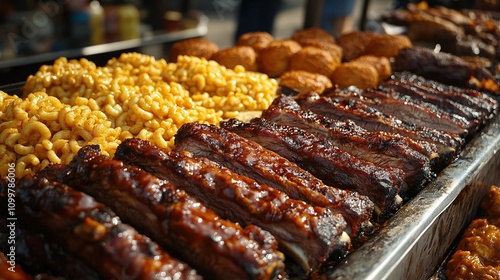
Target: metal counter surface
[[414, 242]]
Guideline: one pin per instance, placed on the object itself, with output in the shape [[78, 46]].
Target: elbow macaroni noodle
[[34, 142], [74, 103]]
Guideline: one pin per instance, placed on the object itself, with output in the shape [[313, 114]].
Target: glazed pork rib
[[169, 215], [471, 98], [407, 112], [474, 106], [449, 105], [325, 161], [37, 254], [408, 106], [308, 234], [447, 144], [383, 149], [266, 167], [92, 232]]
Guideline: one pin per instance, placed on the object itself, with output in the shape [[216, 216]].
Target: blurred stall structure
[[33, 33], [36, 32]]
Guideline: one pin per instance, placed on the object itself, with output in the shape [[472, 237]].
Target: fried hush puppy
[[477, 254], [193, 47], [387, 45], [305, 82], [256, 40], [238, 55], [381, 64], [314, 33], [334, 49], [358, 74], [274, 59], [353, 43], [491, 202], [314, 60]]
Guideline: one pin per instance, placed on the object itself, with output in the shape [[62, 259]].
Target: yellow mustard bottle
[[97, 23], [129, 22]]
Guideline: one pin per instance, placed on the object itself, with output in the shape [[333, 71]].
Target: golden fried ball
[[256, 40], [314, 60], [238, 55], [314, 33], [381, 64], [330, 47], [356, 74], [305, 82], [274, 59], [193, 47], [353, 44], [387, 45]]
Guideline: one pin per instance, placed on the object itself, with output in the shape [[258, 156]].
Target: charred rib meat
[[408, 90], [37, 254], [216, 247], [92, 232], [407, 112], [266, 167], [306, 233], [476, 100], [325, 161], [380, 148], [370, 119], [383, 93]]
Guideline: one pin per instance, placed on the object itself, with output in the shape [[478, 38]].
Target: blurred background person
[[337, 16], [257, 15]]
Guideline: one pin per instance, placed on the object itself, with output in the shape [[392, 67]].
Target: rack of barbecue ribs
[[92, 232], [382, 148], [216, 247], [309, 234], [267, 167], [325, 161]]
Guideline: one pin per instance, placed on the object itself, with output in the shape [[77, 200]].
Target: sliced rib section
[[325, 161], [248, 158], [308, 234], [216, 247], [91, 231], [447, 144], [476, 100], [450, 106], [407, 112], [389, 95], [474, 106], [37, 254], [381, 148]]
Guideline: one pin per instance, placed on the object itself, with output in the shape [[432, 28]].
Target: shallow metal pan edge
[[14, 88], [417, 238]]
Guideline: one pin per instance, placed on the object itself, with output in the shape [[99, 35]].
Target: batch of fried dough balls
[[310, 60]]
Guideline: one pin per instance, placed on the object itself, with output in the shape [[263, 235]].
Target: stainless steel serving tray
[[414, 242]]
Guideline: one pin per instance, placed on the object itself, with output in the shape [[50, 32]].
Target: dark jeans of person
[[257, 15]]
